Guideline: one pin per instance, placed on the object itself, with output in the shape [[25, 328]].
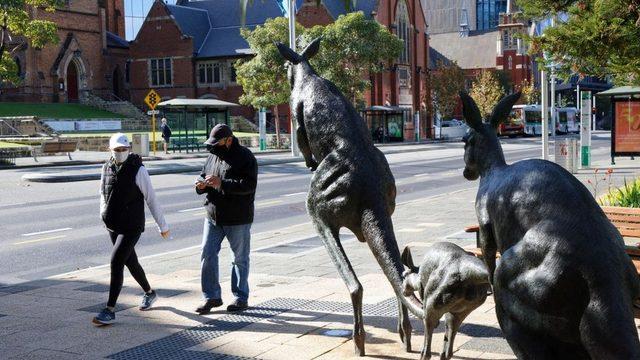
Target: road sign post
[[585, 128], [262, 122], [152, 100]]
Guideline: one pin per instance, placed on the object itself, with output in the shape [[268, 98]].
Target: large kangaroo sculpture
[[563, 286], [352, 185]]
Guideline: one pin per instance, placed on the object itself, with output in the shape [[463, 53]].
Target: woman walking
[[124, 187]]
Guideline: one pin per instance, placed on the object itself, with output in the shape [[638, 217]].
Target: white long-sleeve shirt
[[143, 181]]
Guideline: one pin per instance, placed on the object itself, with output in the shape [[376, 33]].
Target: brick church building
[[90, 57], [188, 50]]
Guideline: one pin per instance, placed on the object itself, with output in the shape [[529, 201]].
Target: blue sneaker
[[105, 317], [148, 300]]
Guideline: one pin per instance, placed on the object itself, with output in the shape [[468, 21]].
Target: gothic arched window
[[510, 63], [403, 24], [18, 67]]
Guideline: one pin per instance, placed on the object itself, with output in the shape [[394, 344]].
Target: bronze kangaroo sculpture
[[564, 285], [352, 185], [451, 283]]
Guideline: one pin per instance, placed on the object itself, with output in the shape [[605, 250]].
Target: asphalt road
[[48, 229]]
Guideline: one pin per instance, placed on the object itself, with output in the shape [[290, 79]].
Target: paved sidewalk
[[300, 307]]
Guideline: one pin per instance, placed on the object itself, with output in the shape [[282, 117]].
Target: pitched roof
[[435, 56], [192, 22], [337, 8], [223, 35], [476, 51], [114, 40]]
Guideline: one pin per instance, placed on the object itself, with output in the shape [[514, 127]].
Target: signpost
[[152, 100], [262, 122], [585, 128]]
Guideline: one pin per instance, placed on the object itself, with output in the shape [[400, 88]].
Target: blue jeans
[[239, 237]]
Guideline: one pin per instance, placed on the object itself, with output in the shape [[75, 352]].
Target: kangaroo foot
[[358, 340]]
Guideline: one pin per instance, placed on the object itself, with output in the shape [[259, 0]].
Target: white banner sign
[[61, 125], [98, 125]]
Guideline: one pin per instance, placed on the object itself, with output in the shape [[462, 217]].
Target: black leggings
[[124, 254]]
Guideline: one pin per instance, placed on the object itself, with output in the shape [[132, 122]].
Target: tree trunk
[[277, 116]]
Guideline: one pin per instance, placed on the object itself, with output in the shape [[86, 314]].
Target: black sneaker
[[208, 305], [105, 317], [237, 305]]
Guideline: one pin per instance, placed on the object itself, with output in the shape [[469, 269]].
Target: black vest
[[124, 212]]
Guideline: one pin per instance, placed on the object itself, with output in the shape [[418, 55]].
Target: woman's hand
[[164, 234]]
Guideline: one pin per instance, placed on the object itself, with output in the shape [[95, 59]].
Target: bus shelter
[[191, 120], [625, 126], [386, 123]]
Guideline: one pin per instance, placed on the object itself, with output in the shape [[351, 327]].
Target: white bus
[[531, 116]]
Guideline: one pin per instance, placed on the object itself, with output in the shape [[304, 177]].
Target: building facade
[[89, 59], [188, 49]]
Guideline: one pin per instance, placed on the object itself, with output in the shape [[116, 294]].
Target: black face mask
[[219, 150]]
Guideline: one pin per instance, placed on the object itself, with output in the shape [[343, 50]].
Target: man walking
[[228, 178], [166, 134]]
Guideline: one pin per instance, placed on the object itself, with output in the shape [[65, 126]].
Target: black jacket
[[124, 213], [232, 204], [166, 131]]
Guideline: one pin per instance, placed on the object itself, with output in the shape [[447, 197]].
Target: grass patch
[[56, 111], [626, 196], [10, 145], [158, 134]]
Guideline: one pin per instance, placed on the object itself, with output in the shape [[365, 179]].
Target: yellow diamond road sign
[[152, 99]]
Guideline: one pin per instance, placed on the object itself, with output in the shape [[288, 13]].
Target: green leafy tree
[[447, 80], [486, 92], [264, 77], [352, 47], [530, 94], [598, 37], [15, 23]]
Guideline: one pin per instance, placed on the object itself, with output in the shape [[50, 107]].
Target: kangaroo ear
[[472, 115], [312, 49], [288, 54], [503, 109], [407, 259]]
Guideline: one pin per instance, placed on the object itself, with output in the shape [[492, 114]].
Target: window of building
[[18, 67], [232, 73], [510, 60], [488, 13], [160, 72], [402, 23], [210, 73], [127, 71]]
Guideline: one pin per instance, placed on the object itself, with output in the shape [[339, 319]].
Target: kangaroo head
[[481, 145], [294, 59]]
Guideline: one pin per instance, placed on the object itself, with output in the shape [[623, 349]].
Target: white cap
[[118, 140]]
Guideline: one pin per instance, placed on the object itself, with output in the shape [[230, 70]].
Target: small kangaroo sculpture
[[451, 283], [352, 185], [563, 286]]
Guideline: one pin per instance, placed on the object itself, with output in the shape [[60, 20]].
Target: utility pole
[[292, 45]]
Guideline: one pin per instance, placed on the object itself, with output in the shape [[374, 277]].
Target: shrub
[[626, 196]]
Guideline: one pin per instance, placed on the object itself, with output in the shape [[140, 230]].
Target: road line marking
[[192, 209], [429, 224], [294, 194], [267, 203], [148, 222], [39, 240], [420, 175], [46, 232], [410, 230], [199, 213]]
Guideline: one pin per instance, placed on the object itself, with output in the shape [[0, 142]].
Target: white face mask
[[121, 156]]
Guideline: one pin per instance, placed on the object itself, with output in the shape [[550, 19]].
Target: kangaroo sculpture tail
[[377, 229]]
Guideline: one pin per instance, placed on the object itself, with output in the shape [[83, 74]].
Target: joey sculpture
[[352, 185], [451, 283], [563, 286]]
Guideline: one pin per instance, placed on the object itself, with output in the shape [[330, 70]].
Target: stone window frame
[[403, 26], [167, 72], [209, 78]]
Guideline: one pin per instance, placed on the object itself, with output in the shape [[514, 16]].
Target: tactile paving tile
[[174, 346]]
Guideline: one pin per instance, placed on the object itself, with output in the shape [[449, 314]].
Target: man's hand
[[165, 234], [201, 185], [213, 181]]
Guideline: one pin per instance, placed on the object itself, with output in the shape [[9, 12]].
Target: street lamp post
[[292, 45]]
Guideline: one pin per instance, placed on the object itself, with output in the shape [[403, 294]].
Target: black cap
[[218, 133]]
